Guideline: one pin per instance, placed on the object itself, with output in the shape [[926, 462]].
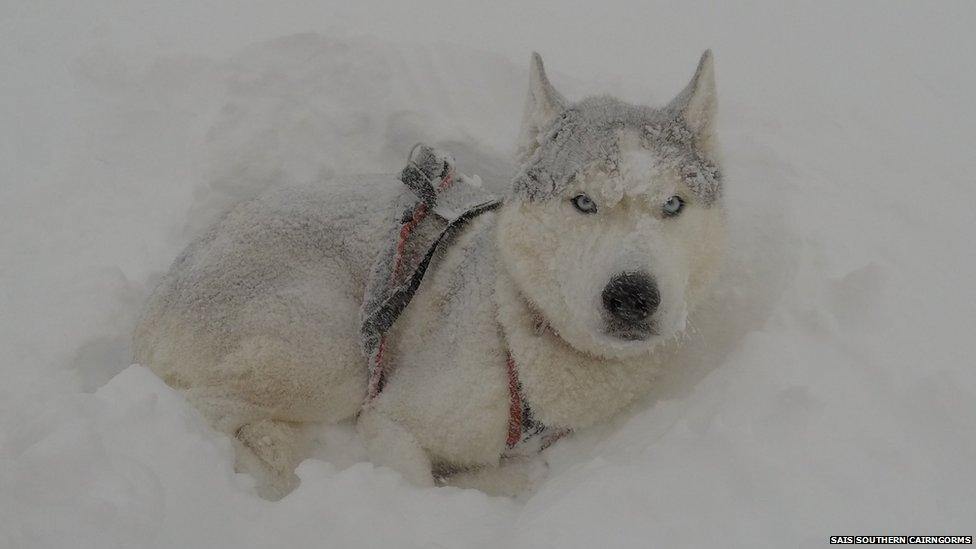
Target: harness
[[444, 202]]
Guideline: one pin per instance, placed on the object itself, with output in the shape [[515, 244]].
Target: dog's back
[[262, 287]]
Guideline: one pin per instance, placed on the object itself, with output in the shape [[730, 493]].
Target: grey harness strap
[[444, 203]]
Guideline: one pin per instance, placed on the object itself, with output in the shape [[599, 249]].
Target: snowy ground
[[829, 390]]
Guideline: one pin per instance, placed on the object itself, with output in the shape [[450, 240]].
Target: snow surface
[[830, 390]]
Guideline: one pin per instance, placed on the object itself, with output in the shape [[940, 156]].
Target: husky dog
[[609, 236]]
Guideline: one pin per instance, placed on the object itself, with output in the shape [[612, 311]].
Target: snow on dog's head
[[616, 224]]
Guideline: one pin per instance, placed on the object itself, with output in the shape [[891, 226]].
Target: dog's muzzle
[[630, 300]]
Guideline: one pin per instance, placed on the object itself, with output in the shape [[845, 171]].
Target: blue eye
[[673, 206], [584, 204]]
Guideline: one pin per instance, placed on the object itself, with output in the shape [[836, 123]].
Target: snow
[[829, 390]]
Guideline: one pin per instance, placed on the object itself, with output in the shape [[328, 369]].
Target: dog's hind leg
[[266, 448], [264, 392], [294, 359]]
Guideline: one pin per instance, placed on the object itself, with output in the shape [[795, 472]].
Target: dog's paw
[[390, 445], [513, 477], [535, 473], [269, 451]]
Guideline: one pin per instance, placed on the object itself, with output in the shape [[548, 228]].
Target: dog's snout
[[631, 297]]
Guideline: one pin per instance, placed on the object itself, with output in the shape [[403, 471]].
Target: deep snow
[[830, 390]]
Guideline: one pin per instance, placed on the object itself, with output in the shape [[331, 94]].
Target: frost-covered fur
[[257, 321]]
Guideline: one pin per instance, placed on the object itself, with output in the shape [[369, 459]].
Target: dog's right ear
[[542, 106]]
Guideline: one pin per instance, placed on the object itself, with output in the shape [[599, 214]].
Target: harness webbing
[[395, 288], [387, 313], [522, 426]]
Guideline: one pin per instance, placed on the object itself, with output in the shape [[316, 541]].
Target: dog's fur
[[257, 321]]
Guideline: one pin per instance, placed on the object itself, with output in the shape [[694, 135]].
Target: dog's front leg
[[512, 477], [389, 444]]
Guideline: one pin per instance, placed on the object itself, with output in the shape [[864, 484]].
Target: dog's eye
[[584, 204], [673, 206]]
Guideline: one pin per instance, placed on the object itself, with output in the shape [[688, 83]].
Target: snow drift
[[829, 390]]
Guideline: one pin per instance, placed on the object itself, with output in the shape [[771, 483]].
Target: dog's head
[[616, 225]]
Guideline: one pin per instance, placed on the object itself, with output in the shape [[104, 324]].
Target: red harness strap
[[522, 427], [514, 406], [418, 215], [378, 377]]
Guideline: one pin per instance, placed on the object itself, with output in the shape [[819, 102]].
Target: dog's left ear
[[697, 103], [542, 106]]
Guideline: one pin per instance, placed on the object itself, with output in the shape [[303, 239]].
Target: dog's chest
[[448, 383]]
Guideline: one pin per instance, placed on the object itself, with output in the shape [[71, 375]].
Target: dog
[[560, 304]]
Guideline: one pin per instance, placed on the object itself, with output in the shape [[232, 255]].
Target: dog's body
[[258, 320]]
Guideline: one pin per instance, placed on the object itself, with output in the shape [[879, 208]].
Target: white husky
[[611, 233]]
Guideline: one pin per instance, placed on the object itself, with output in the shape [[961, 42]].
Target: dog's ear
[[542, 105], [697, 103]]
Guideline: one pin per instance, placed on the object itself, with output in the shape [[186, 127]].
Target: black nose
[[631, 297]]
